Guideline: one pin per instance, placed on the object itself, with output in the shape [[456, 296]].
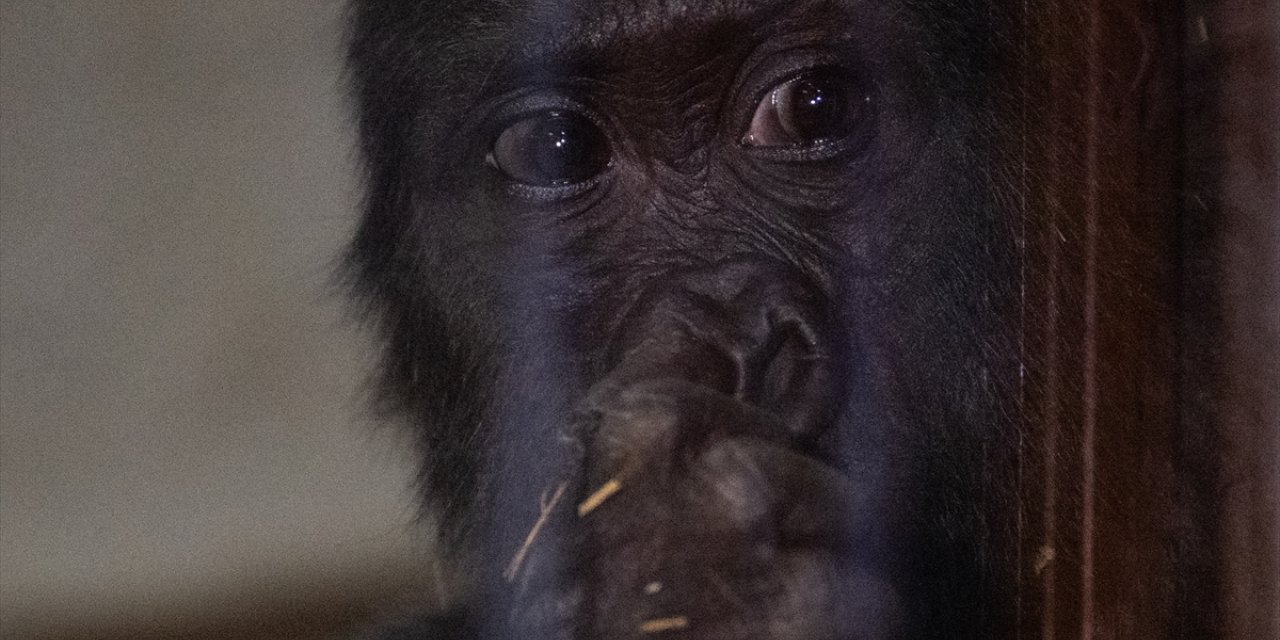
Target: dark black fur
[[534, 341]]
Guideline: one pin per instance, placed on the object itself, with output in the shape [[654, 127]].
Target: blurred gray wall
[[180, 409]]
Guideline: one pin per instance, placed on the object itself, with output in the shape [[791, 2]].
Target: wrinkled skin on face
[[702, 311]]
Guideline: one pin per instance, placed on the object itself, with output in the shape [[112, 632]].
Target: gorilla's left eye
[[551, 149], [818, 106]]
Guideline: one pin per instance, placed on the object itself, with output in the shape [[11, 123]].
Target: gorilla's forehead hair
[[526, 34], [415, 43], [553, 24], [557, 28]]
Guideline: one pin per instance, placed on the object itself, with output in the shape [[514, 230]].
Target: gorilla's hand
[[703, 509]]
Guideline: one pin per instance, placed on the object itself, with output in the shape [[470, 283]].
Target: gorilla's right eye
[[817, 107], [551, 149]]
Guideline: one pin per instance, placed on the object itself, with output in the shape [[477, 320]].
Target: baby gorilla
[[701, 310]]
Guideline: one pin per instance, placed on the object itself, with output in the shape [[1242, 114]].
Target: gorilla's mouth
[[702, 505]]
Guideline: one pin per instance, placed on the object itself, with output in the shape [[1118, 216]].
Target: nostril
[[786, 361], [791, 377]]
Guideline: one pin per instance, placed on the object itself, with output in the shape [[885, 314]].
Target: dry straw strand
[[544, 507], [658, 625], [598, 497]]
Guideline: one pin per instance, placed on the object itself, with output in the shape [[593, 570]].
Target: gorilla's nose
[[760, 332]]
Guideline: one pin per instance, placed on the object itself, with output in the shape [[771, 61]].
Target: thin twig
[[544, 507]]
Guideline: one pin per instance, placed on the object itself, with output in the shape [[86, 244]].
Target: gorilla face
[[702, 311]]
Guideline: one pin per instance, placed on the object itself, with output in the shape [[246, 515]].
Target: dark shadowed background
[[183, 447]]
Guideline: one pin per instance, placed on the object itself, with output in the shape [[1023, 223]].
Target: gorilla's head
[[701, 310]]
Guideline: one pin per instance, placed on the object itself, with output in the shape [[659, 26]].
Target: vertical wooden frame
[[1099, 523], [1149, 460]]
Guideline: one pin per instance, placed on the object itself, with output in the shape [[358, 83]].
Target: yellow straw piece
[[658, 625], [596, 499]]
